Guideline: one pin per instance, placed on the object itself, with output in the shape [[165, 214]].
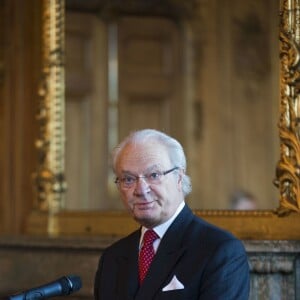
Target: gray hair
[[174, 148]]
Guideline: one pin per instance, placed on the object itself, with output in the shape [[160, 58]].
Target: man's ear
[[180, 179]]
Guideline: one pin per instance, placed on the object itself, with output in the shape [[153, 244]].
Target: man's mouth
[[144, 205]]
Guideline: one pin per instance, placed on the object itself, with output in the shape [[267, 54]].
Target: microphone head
[[70, 284], [60, 287]]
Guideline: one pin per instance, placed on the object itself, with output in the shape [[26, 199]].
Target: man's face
[[151, 204]]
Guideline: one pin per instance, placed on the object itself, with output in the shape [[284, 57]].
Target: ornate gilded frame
[[288, 168], [49, 177], [280, 223]]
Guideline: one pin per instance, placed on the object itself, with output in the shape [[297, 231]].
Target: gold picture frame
[[281, 223]]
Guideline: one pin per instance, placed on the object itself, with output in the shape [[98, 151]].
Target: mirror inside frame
[[205, 72]]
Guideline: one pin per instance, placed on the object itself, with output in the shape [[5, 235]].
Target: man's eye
[[128, 179], [154, 175]]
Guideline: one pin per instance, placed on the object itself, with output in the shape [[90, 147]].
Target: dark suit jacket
[[209, 262]]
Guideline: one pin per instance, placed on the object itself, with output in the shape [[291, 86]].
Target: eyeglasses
[[128, 181]]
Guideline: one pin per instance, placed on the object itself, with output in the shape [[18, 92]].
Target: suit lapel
[[128, 269], [168, 254]]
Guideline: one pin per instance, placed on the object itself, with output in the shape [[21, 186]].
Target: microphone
[[60, 287]]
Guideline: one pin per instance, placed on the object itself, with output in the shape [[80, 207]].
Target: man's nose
[[142, 187]]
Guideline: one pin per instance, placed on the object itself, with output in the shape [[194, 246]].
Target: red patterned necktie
[[146, 253]]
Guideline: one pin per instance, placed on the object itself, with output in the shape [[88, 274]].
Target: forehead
[[138, 157]]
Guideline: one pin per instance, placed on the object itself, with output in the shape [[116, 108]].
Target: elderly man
[[174, 254]]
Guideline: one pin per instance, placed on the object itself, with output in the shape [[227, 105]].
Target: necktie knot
[[147, 253], [149, 237]]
